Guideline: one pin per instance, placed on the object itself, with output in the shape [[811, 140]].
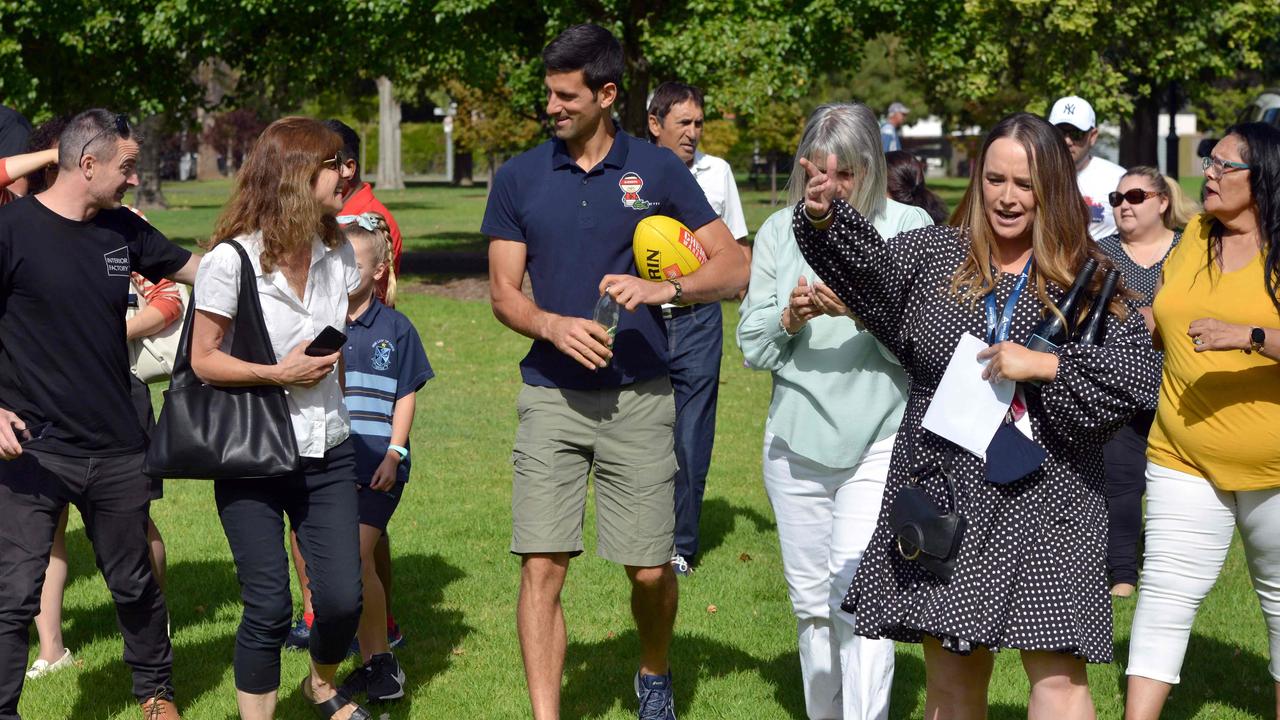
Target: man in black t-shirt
[[68, 429]]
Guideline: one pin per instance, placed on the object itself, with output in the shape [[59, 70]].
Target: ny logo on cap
[[1069, 108]]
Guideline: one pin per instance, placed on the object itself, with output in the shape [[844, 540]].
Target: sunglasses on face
[[1135, 196], [338, 164], [121, 127], [1073, 133]]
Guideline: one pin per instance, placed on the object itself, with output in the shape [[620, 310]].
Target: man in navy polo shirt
[[565, 212]]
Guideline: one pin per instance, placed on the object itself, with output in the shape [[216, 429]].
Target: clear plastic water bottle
[[606, 313]]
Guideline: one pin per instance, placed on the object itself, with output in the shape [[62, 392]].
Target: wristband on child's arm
[[403, 452]]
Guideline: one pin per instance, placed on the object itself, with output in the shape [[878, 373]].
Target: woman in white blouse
[[282, 212]]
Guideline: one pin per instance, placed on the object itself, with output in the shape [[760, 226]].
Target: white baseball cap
[[1073, 110]]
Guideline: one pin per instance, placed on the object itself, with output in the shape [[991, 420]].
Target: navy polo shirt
[[577, 226], [384, 361]]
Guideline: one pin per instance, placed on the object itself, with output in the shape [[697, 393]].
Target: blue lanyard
[[998, 330]]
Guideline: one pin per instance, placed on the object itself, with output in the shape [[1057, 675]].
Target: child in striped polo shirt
[[385, 366]]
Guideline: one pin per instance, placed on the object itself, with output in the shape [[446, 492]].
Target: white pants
[[1189, 529], [825, 519]]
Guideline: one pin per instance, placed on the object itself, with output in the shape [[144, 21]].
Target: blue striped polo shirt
[[384, 362]]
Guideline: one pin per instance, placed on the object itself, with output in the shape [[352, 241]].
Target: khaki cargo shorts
[[627, 435]]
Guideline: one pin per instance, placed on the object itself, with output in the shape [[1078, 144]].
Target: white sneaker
[[40, 668]]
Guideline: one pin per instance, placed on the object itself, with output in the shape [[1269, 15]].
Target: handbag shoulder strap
[[252, 340]]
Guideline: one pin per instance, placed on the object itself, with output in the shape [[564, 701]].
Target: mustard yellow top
[[1219, 412]]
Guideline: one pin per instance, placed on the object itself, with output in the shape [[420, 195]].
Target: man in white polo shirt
[[1095, 176], [694, 334]]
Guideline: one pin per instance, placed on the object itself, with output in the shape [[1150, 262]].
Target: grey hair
[[851, 133], [81, 129]]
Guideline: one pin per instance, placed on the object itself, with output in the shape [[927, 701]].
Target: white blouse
[[319, 415]]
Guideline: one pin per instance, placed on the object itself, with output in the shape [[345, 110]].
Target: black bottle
[[1094, 329], [1053, 331]]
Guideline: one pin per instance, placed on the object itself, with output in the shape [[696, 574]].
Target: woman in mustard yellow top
[[1214, 450]]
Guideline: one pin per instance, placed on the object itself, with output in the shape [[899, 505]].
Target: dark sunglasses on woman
[[1135, 196]]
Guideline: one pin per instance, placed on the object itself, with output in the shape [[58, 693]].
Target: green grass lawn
[[734, 653]]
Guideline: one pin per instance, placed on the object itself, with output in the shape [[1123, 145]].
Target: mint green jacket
[[836, 389]]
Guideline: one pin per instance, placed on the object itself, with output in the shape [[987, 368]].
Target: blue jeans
[[695, 337]]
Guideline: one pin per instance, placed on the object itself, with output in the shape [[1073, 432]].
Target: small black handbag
[[925, 533], [212, 433]]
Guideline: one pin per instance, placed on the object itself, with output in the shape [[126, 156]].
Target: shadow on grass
[[719, 518], [1215, 672], [599, 675]]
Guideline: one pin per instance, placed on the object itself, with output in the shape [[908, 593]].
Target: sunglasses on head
[[1135, 196], [121, 128]]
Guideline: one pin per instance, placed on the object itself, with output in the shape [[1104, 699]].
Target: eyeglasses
[[1135, 196], [1217, 167], [121, 128]]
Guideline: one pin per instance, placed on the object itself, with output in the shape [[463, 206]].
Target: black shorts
[[375, 507]]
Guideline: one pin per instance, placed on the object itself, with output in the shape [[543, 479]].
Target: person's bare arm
[[147, 322], [580, 338], [16, 166], [722, 276], [215, 367], [187, 273]]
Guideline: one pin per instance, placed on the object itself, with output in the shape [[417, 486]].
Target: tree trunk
[[773, 178], [635, 109], [149, 196], [462, 165], [390, 173], [1138, 134], [217, 78]]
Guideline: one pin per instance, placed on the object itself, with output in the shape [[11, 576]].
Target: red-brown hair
[[274, 190]]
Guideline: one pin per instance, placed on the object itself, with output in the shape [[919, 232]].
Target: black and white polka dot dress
[[1031, 571]]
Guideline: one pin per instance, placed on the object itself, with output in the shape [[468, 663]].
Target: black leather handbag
[[925, 533], [209, 432]]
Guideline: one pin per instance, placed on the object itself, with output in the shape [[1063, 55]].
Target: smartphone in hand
[[329, 341]]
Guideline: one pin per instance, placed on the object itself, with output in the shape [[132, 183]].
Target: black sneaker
[[299, 636], [386, 679], [356, 682]]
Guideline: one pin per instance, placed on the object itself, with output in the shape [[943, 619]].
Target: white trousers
[[1189, 529], [825, 519]]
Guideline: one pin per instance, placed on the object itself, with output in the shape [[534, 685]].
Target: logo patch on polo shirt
[[630, 185], [117, 262], [382, 351]]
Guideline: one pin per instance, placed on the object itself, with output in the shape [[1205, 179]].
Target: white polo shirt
[[319, 415], [1098, 180], [716, 180]]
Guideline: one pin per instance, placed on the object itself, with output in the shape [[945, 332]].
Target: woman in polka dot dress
[[1030, 571]]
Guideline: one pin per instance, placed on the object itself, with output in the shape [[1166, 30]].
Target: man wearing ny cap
[[1095, 176], [891, 130]]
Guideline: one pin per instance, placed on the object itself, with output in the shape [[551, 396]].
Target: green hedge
[[421, 149]]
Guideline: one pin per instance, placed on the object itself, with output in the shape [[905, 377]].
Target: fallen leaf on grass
[[712, 609], [439, 343], [744, 558], [610, 635], [458, 651]]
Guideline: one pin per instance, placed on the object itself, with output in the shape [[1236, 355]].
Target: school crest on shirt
[[382, 351], [630, 184], [117, 262]]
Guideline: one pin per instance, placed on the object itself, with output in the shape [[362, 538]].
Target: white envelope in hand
[[966, 409]]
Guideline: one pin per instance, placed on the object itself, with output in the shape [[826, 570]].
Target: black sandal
[[330, 707]]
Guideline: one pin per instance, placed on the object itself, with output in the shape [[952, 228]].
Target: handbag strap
[[250, 341]]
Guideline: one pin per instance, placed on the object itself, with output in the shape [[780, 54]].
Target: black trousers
[[321, 504], [112, 495], [1126, 482]]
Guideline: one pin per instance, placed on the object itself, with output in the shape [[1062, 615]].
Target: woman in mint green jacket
[[838, 398]]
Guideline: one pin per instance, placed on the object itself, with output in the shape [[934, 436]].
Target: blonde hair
[[273, 191], [848, 131], [1060, 241], [1181, 208], [380, 242]]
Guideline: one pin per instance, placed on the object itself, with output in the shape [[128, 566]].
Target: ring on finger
[[1198, 341]]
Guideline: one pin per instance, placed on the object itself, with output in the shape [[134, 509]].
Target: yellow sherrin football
[[665, 248]]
